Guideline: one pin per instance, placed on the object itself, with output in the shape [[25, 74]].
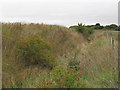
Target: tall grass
[[95, 59]]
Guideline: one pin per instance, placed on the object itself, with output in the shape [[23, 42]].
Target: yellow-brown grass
[[96, 58]]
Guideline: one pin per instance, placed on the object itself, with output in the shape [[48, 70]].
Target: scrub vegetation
[[53, 56]]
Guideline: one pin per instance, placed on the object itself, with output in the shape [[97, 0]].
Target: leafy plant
[[62, 78], [36, 50]]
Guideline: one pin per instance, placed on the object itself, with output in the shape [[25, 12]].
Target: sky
[[60, 12]]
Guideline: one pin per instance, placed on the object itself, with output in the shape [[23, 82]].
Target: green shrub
[[86, 31], [35, 50], [98, 26], [111, 27], [81, 28], [62, 78]]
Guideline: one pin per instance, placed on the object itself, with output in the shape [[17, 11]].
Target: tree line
[[98, 26]]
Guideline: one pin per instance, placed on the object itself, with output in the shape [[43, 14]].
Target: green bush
[[111, 27], [98, 26], [81, 28], [62, 78], [86, 31], [36, 50]]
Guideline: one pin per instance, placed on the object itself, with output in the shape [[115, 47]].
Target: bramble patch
[[36, 50]]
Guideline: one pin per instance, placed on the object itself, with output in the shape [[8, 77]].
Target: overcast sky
[[61, 12]]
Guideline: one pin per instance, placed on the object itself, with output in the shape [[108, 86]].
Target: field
[[96, 59]]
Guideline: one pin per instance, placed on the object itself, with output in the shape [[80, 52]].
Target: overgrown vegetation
[[35, 50], [83, 29], [27, 48], [63, 78]]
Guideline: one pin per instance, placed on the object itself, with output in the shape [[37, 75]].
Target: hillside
[[96, 59]]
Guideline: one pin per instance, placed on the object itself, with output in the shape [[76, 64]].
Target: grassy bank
[[95, 59]]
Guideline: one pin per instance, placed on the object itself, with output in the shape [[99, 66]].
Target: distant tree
[[85, 30], [98, 26], [111, 27], [80, 28]]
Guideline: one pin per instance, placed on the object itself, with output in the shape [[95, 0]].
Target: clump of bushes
[[98, 26], [111, 27], [62, 78], [86, 31], [36, 50]]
